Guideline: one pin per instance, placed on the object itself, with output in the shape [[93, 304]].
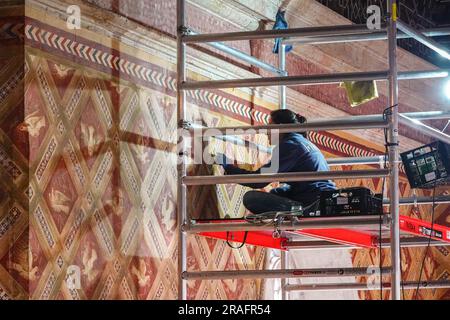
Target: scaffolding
[[303, 234]]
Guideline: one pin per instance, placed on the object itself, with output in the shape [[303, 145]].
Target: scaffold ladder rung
[[409, 285], [280, 274]]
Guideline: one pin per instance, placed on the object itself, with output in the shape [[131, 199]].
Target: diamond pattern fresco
[[60, 195]]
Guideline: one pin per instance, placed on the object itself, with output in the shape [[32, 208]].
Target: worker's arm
[[231, 169], [288, 155]]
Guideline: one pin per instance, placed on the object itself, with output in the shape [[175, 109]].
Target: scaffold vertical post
[[181, 166], [282, 95], [394, 152], [282, 66], [284, 282]]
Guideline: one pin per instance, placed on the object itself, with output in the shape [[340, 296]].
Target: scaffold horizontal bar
[[285, 81], [376, 36], [355, 160], [347, 123], [271, 34], [243, 56], [365, 287], [421, 201], [414, 242], [430, 43], [418, 125], [428, 115], [310, 79], [423, 74], [284, 177], [281, 274], [307, 223]]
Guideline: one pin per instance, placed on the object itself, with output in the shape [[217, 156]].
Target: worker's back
[[298, 154]]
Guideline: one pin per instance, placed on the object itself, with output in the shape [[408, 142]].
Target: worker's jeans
[[259, 202]]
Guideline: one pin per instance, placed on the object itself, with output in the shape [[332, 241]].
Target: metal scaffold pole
[[389, 121], [284, 33], [284, 282], [413, 242], [283, 101], [242, 56], [282, 66], [394, 152], [366, 287], [283, 177], [381, 35], [306, 223], [430, 43], [311, 80], [280, 274], [417, 125], [181, 167]]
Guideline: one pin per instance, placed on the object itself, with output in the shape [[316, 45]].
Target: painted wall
[[94, 126], [14, 153], [87, 125]]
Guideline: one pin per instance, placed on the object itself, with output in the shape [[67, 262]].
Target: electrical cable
[[271, 217], [276, 218], [241, 245]]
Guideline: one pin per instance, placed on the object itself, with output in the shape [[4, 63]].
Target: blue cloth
[[296, 154], [280, 24]]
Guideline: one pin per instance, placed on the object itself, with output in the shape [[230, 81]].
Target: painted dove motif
[[62, 70], [141, 273], [24, 265], [117, 202], [90, 139], [88, 260], [33, 124], [58, 201], [167, 210]]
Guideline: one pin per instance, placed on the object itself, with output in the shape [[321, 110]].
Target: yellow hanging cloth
[[360, 92]]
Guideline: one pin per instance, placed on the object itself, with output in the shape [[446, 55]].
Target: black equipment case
[[428, 166], [350, 202]]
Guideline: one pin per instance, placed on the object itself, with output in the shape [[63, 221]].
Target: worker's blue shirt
[[296, 154]]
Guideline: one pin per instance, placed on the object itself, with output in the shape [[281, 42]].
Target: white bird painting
[[33, 124], [90, 139], [88, 260], [167, 210], [59, 202], [62, 71], [24, 265], [141, 153], [141, 273], [117, 202]]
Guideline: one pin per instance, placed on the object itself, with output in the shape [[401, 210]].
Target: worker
[[295, 154]]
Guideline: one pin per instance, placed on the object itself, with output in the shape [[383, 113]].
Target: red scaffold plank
[[265, 238], [343, 236], [423, 229], [256, 238]]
